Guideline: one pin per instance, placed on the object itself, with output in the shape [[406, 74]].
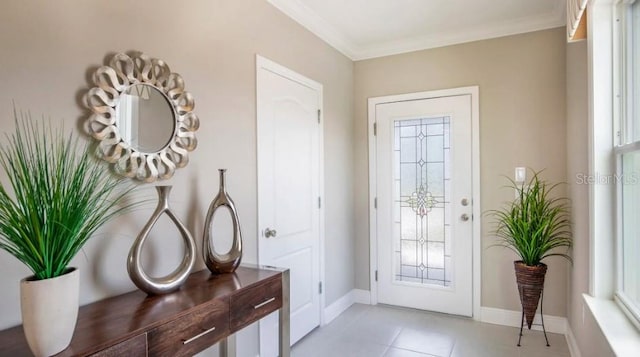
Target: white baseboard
[[361, 296], [492, 315], [334, 310], [574, 350], [339, 306]]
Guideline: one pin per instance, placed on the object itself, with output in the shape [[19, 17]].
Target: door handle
[[464, 217], [268, 233]]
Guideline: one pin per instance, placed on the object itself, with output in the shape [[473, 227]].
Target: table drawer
[[191, 333], [133, 347], [251, 304]]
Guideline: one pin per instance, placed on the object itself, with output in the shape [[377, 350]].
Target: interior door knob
[[268, 233], [464, 217]]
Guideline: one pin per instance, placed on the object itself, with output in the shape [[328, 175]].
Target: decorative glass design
[[422, 231], [421, 201]]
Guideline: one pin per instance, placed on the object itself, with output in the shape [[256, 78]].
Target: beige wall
[[522, 123], [50, 48], [588, 335]]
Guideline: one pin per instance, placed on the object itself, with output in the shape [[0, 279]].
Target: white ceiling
[[373, 28]]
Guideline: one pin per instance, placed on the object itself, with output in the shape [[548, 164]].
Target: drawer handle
[[184, 342], [256, 307]]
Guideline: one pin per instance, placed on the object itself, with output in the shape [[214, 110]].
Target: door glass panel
[[421, 196]]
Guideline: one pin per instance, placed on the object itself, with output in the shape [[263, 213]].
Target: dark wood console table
[[206, 310]]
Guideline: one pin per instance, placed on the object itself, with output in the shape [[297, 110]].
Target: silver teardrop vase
[[227, 262], [175, 279]]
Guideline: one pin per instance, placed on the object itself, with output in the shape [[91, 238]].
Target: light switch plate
[[521, 174]]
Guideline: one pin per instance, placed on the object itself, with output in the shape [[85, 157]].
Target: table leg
[[228, 346], [285, 322]]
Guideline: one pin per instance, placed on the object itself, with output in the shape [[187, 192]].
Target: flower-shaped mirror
[[142, 117]]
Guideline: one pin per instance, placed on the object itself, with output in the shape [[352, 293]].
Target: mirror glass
[[145, 118]]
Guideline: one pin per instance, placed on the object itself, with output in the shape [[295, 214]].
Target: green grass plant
[[536, 223], [58, 194]]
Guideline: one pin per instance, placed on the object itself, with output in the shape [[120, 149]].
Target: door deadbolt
[[464, 202]]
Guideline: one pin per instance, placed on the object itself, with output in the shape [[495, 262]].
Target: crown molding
[[463, 35], [321, 28], [316, 24]]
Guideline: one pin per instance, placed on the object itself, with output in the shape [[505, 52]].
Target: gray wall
[[590, 339], [49, 50], [522, 123]]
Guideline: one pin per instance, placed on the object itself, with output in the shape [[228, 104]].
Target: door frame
[[475, 182], [271, 66]]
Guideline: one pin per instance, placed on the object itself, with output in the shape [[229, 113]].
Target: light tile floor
[[370, 331]]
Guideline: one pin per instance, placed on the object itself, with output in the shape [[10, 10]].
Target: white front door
[[424, 206], [289, 187]]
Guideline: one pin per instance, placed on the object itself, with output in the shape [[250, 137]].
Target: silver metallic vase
[[175, 279], [228, 262]]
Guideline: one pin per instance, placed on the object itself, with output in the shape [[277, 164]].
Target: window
[[627, 156], [609, 140]]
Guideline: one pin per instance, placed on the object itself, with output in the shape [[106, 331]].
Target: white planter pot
[[50, 311]]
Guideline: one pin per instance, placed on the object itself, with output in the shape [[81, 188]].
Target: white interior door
[[424, 191], [289, 188]]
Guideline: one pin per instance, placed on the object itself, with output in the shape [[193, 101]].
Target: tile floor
[[370, 331]]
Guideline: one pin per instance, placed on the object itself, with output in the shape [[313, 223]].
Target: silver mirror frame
[[110, 82]]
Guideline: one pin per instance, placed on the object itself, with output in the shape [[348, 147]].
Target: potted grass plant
[[535, 226], [53, 197]]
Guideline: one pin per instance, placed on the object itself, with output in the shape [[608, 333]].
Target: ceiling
[[373, 28]]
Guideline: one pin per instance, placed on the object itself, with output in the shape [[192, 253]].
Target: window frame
[[623, 130], [620, 333]]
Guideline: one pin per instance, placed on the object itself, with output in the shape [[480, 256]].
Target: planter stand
[[541, 318]]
